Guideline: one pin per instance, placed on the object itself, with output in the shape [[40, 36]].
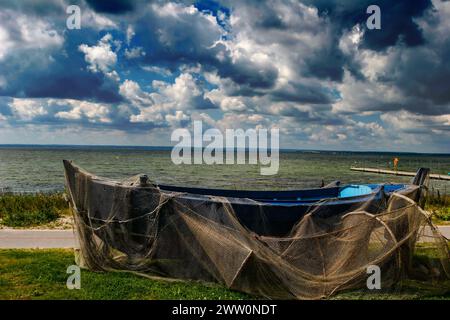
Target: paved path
[[41, 239], [445, 230]]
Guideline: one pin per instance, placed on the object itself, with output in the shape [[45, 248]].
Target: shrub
[[439, 206], [22, 210]]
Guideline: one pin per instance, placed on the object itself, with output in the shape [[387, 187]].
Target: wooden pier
[[399, 173]]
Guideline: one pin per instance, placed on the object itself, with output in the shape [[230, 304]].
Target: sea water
[[40, 168]]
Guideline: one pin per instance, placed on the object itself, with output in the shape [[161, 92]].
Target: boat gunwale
[[264, 201]]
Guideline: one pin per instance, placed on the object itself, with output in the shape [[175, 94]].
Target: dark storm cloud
[[200, 103], [55, 69], [186, 38], [419, 74], [329, 62], [64, 78], [314, 118], [423, 75], [278, 22], [397, 19], [309, 94], [112, 6], [75, 86], [50, 7], [247, 74], [418, 68]]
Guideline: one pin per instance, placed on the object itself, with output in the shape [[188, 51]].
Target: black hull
[[261, 218]]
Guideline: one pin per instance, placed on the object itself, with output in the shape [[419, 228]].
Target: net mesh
[[124, 226]]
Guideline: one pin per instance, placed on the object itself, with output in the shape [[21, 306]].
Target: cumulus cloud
[[416, 123], [101, 58], [133, 93], [26, 109], [93, 112], [184, 95], [18, 32], [311, 68]]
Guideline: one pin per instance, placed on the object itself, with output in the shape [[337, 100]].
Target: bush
[[439, 206], [23, 210], [442, 213]]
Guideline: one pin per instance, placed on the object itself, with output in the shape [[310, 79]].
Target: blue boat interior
[[293, 196], [354, 190]]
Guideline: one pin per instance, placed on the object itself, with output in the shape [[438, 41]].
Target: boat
[[265, 213], [299, 244]]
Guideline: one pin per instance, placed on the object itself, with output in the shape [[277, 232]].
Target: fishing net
[[140, 228]]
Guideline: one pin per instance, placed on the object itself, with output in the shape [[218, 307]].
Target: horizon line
[[168, 147]]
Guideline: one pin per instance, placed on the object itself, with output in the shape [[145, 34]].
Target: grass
[[409, 289], [41, 274], [27, 210]]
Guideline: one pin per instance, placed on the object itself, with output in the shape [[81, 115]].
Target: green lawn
[[41, 274]]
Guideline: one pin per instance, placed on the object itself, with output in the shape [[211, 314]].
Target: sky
[[137, 70]]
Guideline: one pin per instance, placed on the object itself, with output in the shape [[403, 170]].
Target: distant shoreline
[[168, 148]]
